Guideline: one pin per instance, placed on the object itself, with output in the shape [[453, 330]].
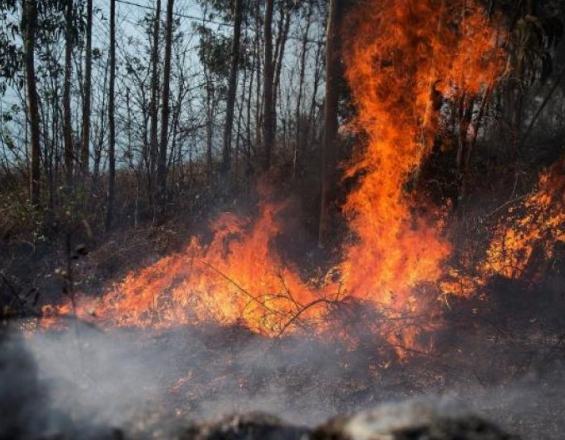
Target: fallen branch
[[241, 289], [301, 311]]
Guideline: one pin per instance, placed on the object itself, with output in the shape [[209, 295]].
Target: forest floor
[[139, 379]]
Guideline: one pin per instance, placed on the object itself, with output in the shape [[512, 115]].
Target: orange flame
[[238, 277], [526, 235], [538, 223], [403, 54]]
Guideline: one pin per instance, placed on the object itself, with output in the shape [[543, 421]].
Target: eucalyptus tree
[[29, 23], [268, 72], [162, 163], [232, 86], [111, 121], [85, 142]]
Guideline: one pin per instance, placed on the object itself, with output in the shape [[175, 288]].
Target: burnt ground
[[506, 365]]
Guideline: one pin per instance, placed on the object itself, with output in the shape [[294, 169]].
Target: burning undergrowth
[[230, 323], [396, 254]]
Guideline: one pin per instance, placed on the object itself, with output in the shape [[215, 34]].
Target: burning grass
[[397, 62]]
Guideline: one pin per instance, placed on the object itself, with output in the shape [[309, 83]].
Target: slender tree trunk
[[29, 22], [268, 108], [310, 133], [279, 57], [111, 120], [162, 168], [302, 74], [154, 104], [258, 99], [67, 117], [101, 131], [249, 139], [176, 150], [238, 130], [84, 152], [50, 159], [232, 88], [328, 155], [209, 126]]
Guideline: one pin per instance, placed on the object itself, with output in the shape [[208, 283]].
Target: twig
[[505, 204], [301, 311], [241, 289], [287, 290]]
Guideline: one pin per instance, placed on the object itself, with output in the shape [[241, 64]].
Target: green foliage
[[223, 9], [50, 29], [11, 57], [213, 51]]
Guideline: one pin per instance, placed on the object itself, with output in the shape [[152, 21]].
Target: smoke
[[86, 381], [96, 376], [27, 407]]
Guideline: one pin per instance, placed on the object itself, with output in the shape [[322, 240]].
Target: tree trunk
[[101, 130], [162, 168], [209, 125], [232, 89], [302, 74], [84, 152], [279, 56], [328, 155], [268, 108], [111, 120], [154, 104], [248, 138], [238, 135], [310, 133], [29, 22], [67, 117]]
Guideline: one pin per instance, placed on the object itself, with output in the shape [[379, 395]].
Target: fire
[[403, 55], [526, 235], [532, 228], [237, 277]]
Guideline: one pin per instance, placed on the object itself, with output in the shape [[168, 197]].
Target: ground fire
[[397, 63], [434, 172]]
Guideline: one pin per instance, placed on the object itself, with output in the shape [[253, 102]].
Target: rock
[[253, 426], [413, 420]]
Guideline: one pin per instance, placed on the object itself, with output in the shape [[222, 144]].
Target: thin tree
[[84, 152], [111, 120], [301, 75], [67, 117], [29, 25], [282, 38], [162, 166], [268, 72], [154, 103], [232, 88], [328, 155]]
